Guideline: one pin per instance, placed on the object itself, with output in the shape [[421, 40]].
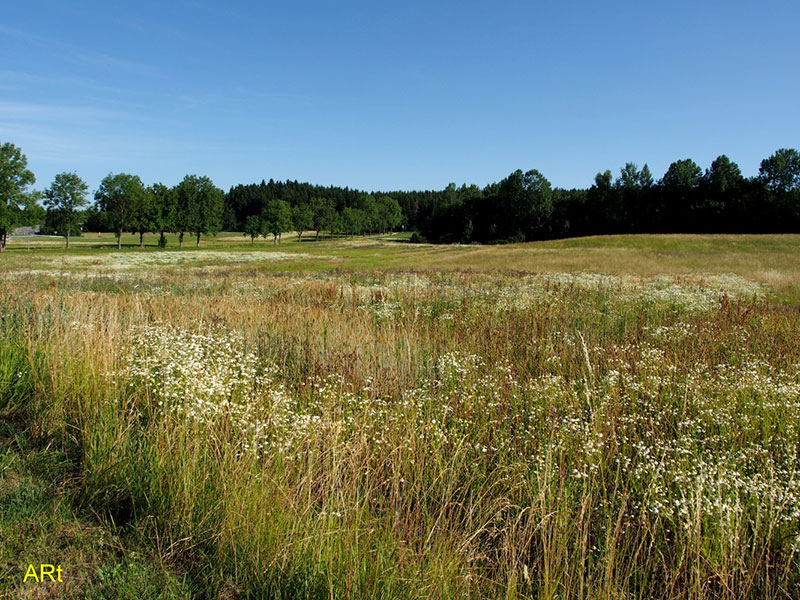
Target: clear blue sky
[[401, 95]]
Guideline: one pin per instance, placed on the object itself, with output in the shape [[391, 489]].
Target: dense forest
[[522, 207]]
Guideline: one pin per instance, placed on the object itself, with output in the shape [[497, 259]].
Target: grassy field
[[608, 417], [767, 259]]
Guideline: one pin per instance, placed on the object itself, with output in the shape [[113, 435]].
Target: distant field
[[606, 417], [768, 259]]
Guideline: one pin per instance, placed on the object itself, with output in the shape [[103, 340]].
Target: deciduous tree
[[325, 216], [352, 221], [302, 219], [253, 227], [199, 207], [682, 175], [277, 218], [120, 198], [15, 177], [629, 177], [164, 205], [723, 174], [65, 196], [781, 171], [389, 213]]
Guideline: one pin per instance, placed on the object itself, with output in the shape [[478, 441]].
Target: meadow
[[607, 417]]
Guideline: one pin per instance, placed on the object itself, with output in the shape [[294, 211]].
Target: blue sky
[[407, 95]]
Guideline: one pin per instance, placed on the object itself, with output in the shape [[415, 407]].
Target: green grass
[[768, 259], [44, 519], [594, 418]]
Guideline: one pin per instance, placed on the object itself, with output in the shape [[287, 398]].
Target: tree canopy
[[65, 196], [199, 207], [120, 197], [781, 171], [15, 177]]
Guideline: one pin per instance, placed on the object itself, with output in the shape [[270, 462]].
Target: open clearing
[[606, 417]]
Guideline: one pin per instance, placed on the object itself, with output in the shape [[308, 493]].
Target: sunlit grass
[[356, 422]]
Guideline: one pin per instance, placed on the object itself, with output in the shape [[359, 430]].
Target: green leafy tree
[[780, 176], [470, 198], [253, 227], [120, 197], [29, 210], [682, 175], [538, 205], [184, 204], [352, 220], [15, 177], [302, 218], [645, 177], [602, 181], [163, 202], [723, 175], [629, 177], [524, 205], [626, 203], [325, 216], [781, 171], [144, 216], [719, 204], [680, 205], [212, 201], [277, 218], [65, 196], [200, 206], [390, 215], [370, 219]]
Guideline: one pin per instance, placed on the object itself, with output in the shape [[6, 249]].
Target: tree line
[[276, 207], [521, 207], [524, 206], [123, 204]]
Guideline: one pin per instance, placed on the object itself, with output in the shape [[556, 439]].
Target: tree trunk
[[67, 238], [162, 240], [3, 242], [141, 239], [119, 240], [317, 238], [180, 240], [198, 240], [299, 236]]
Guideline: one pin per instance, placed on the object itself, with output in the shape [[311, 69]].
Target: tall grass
[[414, 436]]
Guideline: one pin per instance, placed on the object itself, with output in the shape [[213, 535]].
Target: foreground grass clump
[[417, 435], [43, 519]]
